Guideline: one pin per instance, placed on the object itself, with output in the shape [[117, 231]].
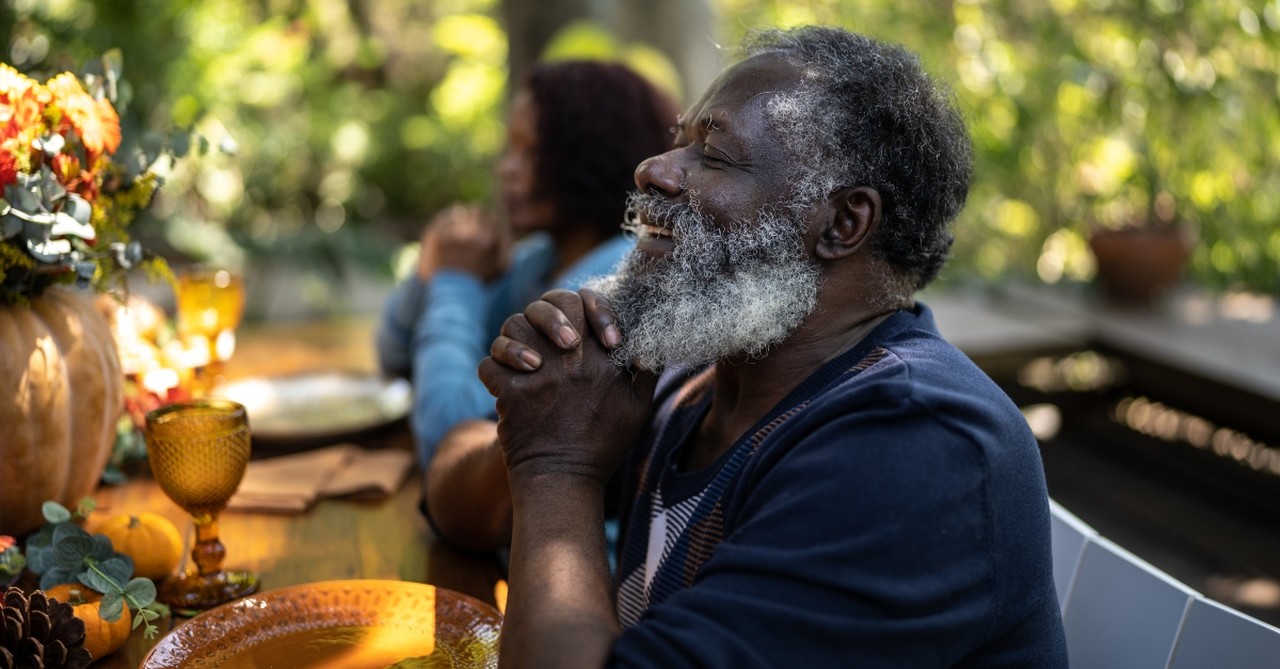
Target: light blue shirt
[[437, 332]]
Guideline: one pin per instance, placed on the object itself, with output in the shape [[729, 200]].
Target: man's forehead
[[749, 83]]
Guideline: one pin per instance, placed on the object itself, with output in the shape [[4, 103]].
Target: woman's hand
[[464, 238]]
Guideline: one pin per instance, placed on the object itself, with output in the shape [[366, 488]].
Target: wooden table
[[335, 539]]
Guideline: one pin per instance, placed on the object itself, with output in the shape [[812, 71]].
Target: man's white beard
[[721, 293]]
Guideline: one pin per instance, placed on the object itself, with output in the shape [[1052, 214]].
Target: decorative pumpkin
[[101, 637], [149, 538], [61, 393]]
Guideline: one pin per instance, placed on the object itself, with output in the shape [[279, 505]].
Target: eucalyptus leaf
[[63, 530], [112, 606], [102, 548], [114, 476], [141, 590], [40, 559], [118, 568], [10, 226], [26, 200], [67, 224], [129, 562], [84, 273], [124, 95], [70, 552], [78, 209], [96, 581], [113, 63], [180, 144], [55, 512], [41, 539], [56, 576]]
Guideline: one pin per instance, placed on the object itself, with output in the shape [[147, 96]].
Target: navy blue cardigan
[[890, 512]]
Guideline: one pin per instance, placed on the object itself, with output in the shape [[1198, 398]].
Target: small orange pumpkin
[[150, 539], [101, 637]]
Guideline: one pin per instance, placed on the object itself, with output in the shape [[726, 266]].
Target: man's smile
[[652, 239]]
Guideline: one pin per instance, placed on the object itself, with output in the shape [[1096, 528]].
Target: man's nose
[[661, 175]]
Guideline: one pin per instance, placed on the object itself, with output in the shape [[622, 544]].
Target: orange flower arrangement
[[66, 200]]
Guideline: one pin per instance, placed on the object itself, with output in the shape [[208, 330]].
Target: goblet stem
[[208, 552]]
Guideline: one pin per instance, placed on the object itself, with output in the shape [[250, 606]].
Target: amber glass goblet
[[210, 306], [198, 452]]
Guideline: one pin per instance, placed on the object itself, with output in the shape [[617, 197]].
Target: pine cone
[[39, 633]]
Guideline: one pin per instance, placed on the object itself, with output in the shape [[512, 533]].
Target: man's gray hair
[[867, 114]]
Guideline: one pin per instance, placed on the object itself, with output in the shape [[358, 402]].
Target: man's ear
[[852, 219]]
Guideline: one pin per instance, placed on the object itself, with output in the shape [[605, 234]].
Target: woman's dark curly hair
[[595, 121], [867, 114]]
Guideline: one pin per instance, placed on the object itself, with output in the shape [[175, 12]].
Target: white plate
[[319, 406]]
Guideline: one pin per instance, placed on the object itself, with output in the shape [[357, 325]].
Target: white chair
[[1219, 637], [1068, 535], [1121, 612]]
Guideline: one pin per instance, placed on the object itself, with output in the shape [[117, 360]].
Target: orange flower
[[22, 99], [6, 541], [66, 167], [94, 120]]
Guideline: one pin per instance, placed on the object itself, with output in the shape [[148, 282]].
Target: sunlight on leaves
[[468, 90], [1016, 218], [581, 40], [471, 35]]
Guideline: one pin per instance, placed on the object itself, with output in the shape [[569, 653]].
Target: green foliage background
[[351, 122]]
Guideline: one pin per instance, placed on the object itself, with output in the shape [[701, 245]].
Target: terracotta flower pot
[[1137, 266]]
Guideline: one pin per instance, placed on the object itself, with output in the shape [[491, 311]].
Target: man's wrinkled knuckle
[[515, 324]]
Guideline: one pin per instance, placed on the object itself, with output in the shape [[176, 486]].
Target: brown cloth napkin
[[292, 483]]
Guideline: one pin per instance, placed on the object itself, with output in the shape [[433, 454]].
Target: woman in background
[[575, 134]]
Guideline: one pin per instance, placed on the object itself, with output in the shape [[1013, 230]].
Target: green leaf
[[180, 144], [112, 606], [102, 548], [97, 581], [70, 552], [86, 507], [118, 569], [55, 576], [64, 530], [113, 62], [55, 512], [40, 559], [141, 591]]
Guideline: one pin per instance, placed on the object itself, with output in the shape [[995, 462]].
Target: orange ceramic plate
[[360, 624]]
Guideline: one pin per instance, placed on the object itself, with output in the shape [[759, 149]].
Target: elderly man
[[817, 479]]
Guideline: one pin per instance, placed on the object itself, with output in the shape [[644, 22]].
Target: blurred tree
[[345, 124], [680, 30], [1097, 113], [352, 121], [531, 25]]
